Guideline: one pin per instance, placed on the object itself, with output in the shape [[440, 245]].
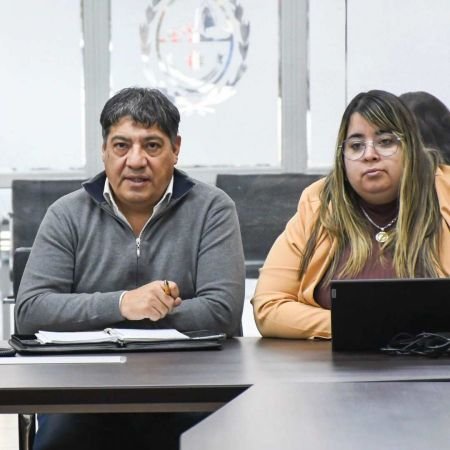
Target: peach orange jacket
[[283, 304]]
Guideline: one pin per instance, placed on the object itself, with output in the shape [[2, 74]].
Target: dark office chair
[[27, 422], [30, 200], [264, 204], [21, 255]]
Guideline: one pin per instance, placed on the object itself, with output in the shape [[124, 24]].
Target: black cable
[[425, 344]]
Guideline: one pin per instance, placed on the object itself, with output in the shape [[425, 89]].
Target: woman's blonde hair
[[414, 241]]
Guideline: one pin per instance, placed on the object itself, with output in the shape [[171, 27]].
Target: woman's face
[[375, 178]]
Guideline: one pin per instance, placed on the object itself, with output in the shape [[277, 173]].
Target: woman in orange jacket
[[382, 212]]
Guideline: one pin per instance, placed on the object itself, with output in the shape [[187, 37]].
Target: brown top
[[375, 267]]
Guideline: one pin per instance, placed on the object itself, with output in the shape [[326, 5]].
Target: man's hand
[[150, 301]]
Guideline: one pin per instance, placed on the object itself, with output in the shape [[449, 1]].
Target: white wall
[[353, 45], [394, 45], [41, 107], [327, 78], [243, 130], [399, 46]]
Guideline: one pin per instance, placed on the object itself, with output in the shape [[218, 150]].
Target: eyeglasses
[[385, 144]]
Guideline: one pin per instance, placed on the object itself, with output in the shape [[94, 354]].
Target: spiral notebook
[[367, 314]]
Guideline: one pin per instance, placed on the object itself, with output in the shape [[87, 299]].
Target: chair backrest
[[264, 204], [20, 259], [30, 200]]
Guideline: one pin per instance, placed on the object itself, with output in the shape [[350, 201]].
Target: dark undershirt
[[375, 267]]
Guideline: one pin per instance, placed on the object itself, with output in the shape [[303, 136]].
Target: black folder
[[28, 344]]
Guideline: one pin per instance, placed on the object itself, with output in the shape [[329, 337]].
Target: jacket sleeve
[[283, 304], [46, 299], [220, 279]]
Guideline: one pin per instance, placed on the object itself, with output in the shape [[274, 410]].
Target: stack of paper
[[53, 337], [130, 334], [109, 335]]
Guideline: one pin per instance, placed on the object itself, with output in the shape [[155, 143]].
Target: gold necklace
[[381, 236]]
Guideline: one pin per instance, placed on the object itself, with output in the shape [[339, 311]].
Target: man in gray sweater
[[102, 254]]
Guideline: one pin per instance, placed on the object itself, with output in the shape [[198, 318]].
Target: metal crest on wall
[[195, 50]]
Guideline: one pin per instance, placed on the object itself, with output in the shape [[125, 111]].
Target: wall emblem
[[195, 50]]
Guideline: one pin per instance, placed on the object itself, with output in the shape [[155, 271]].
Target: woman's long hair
[[414, 241]]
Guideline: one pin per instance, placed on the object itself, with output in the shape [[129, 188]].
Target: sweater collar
[[182, 184]]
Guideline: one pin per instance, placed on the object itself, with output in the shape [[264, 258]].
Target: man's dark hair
[[145, 106]]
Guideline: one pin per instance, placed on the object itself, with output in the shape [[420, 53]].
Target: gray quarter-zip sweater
[[84, 257]]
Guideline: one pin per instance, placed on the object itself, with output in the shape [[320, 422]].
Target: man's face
[[139, 164]]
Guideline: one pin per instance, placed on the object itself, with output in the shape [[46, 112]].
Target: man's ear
[[176, 148], [103, 152]]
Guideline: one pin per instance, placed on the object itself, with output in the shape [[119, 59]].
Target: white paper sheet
[[130, 334], [83, 359], [72, 337]]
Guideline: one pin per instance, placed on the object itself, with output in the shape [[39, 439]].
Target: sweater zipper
[[138, 254], [138, 246]]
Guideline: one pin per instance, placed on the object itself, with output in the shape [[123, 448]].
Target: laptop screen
[[367, 314]]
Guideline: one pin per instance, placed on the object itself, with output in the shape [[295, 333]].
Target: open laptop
[[367, 314]]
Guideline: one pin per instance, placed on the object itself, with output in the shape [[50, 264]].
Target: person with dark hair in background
[[139, 245], [433, 119], [382, 212]]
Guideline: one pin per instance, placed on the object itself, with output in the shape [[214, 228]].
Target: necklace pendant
[[381, 236]]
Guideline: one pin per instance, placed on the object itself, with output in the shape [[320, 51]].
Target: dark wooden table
[[197, 380], [329, 416]]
